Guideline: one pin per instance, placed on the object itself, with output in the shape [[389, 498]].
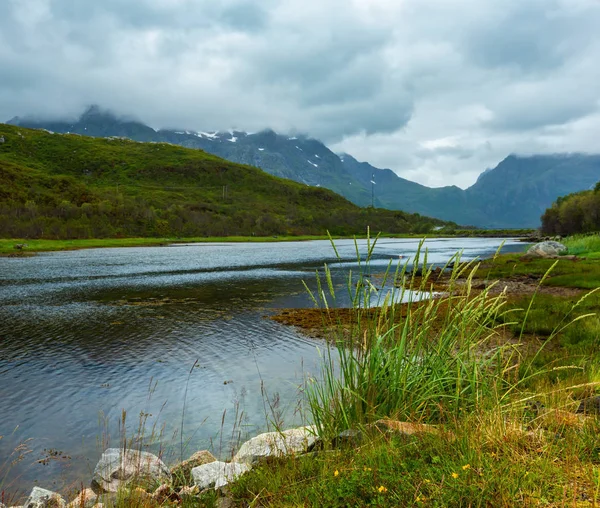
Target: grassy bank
[[501, 377]]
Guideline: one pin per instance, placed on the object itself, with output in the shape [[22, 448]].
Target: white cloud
[[437, 90]]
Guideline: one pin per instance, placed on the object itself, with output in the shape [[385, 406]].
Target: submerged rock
[[42, 498], [118, 468], [218, 474], [277, 444], [546, 250]]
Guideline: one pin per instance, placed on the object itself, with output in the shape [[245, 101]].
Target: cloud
[[380, 79]]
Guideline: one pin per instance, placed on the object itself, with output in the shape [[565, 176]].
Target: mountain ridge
[[515, 193]]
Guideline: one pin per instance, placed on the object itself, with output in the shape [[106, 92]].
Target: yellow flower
[[336, 473], [367, 469], [382, 489], [466, 466], [454, 475], [427, 480]]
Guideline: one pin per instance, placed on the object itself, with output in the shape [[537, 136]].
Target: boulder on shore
[[277, 444], [182, 472], [218, 474], [118, 468], [42, 498], [546, 250]]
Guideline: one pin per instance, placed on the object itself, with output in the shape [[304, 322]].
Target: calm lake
[[171, 335]]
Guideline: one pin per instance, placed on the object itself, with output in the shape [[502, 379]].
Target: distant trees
[[573, 214], [122, 216]]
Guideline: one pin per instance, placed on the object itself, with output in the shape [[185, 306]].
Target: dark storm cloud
[[422, 86]]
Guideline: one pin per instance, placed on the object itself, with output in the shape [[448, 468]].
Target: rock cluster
[[140, 472]]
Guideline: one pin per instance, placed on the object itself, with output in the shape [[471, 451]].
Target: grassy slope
[[48, 169]]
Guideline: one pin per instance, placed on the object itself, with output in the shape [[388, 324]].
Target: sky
[[436, 90]]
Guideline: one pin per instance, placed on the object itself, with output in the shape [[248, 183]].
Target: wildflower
[[454, 475], [367, 469], [382, 489], [427, 480], [336, 473], [466, 466]]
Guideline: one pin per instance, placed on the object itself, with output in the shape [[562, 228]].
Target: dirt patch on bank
[[523, 286], [333, 324]]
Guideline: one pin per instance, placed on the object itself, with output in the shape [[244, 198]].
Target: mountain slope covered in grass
[[514, 194], [71, 186]]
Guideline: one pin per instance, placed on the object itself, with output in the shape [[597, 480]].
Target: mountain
[[514, 194], [71, 186], [522, 188]]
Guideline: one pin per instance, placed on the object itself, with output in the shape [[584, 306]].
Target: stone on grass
[[42, 498], [85, 499], [277, 444], [182, 472], [589, 406], [118, 468], [218, 474], [546, 250]]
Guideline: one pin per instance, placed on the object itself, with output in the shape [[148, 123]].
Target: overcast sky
[[437, 90]]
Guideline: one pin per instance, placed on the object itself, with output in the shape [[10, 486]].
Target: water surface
[[168, 335]]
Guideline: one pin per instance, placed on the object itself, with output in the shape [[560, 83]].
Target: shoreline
[[9, 246]]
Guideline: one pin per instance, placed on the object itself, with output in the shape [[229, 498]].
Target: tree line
[[573, 214]]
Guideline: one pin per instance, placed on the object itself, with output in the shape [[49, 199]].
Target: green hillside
[[514, 194], [70, 186]]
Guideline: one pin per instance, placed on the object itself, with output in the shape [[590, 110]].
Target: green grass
[[584, 245], [489, 463], [73, 187], [581, 273]]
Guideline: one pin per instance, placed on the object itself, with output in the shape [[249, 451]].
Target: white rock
[[277, 444], [218, 474], [42, 498], [118, 467], [547, 249]]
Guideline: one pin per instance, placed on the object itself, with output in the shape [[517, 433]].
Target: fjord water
[[86, 335]]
